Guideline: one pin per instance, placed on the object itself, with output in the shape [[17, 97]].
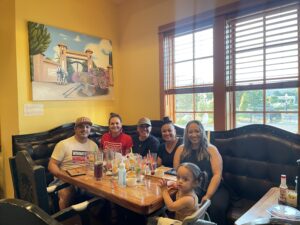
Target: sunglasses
[[144, 126]]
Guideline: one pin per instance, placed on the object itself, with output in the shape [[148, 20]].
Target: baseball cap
[[83, 120], [144, 120]]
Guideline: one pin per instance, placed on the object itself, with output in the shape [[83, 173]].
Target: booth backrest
[[40, 145], [255, 156]]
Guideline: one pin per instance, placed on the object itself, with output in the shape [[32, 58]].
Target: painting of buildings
[[66, 65]]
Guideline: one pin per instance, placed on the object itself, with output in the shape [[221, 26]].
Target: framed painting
[[67, 65]]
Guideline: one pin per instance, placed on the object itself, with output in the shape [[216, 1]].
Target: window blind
[[262, 50]]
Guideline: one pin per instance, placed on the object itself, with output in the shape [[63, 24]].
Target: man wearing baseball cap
[[144, 141], [69, 153]]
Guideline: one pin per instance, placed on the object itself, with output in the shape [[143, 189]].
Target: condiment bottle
[[147, 169], [122, 174], [283, 190]]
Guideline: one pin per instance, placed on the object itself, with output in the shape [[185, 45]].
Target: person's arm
[[217, 167], [54, 168], [129, 145], [56, 158], [181, 203], [154, 145], [176, 160], [159, 161]]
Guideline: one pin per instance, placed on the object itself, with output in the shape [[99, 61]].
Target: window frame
[[266, 85], [218, 17], [170, 89]]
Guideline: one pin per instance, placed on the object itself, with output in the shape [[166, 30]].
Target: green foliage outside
[[204, 104], [249, 107], [277, 101]]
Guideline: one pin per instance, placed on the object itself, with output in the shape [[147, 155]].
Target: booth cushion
[[254, 156]]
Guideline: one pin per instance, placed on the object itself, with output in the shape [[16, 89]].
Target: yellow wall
[[133, 28], [138, 24], [8, 90], [93, 17]]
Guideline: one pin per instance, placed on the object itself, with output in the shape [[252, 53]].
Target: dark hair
[[166, 120], [202, 152], [113, 115], [200, 177]]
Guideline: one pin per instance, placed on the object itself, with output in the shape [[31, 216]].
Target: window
[[233, 66], [263, 68], [188, 76]]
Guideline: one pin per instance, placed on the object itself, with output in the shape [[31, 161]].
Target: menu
[[76, 171]]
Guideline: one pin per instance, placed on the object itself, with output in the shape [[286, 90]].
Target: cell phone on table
[[171, 172]]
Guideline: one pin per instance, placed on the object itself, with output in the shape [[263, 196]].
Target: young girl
[[189, 176]]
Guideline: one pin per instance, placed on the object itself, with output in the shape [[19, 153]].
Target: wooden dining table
[[259, 210], [144, 198]]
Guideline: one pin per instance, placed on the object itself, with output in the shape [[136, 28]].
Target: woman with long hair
[[197, 150]]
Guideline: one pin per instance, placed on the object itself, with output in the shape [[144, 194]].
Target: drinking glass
[[99, 156], [109, 157], [98, 164], [153, 163], [154, 157], [90, 159], [98, 169]]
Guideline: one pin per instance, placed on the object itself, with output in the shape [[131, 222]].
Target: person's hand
[[204, 198], [163, 184]]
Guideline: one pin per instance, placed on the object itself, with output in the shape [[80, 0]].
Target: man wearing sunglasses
[[144, 142]]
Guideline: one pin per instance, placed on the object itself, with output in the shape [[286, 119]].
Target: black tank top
[[203, 164]]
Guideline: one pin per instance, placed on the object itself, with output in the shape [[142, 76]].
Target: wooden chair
[[30, 185]]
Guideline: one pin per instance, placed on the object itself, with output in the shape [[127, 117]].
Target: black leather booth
[[254, 157], [40, 145]]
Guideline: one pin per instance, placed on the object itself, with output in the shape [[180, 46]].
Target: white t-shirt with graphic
[[71, 153]]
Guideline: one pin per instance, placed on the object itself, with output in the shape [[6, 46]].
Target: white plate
[[285, 212]]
